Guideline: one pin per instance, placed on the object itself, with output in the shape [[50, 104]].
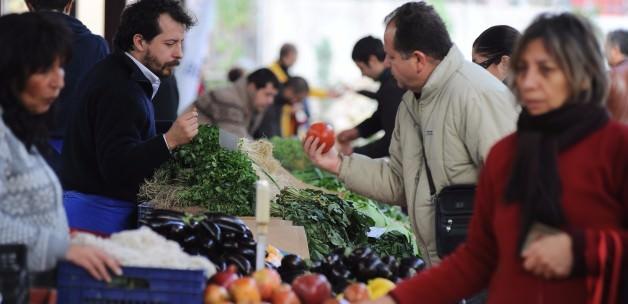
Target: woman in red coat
[[552, 200]]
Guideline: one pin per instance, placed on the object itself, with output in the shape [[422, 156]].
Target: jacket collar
[[152, 78], [445, 69], [135, 72]]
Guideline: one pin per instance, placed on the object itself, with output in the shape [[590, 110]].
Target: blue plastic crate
[[136, 285]]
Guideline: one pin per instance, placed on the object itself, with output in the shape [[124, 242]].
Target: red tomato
[[325, 134]]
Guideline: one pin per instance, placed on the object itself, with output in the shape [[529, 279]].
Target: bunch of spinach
[[217, 179], [329, 221]]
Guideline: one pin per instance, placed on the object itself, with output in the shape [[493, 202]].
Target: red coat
[[594, 177]]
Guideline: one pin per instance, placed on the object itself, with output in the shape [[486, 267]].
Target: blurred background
[[249, 33]]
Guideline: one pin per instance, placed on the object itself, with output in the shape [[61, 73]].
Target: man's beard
[[161, 70]]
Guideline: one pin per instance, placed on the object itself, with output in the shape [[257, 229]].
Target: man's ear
[[139, 44], [420, 60]]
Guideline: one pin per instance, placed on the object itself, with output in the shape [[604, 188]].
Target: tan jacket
[[231, 108], [618, 95], [462, 112]]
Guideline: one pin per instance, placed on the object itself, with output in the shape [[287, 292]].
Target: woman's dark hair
[[366, 47], [142, 18], [419, 28], [572, 42], [261, 77], [29, 43], [495, 42]]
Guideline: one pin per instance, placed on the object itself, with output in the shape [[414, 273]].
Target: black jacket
[[166, 100], [87, 50], [111, 145], [388, 97]]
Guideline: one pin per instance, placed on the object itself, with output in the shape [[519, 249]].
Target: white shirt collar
[[154, 80]]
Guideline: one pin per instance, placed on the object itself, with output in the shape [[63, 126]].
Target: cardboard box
[[283, 235]]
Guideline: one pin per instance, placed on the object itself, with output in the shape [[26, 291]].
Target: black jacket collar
[[134, 71]]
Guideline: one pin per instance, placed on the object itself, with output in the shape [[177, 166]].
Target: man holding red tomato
[[453, 107]]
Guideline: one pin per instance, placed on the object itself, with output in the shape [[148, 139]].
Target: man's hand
[[183, 129], [347, 136], [94, 260], [329, 161], [549, 257]]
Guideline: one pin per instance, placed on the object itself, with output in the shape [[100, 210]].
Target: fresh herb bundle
[[204, 174], [329, 221]]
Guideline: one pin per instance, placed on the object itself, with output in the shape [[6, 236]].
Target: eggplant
[[405, 272], [220, 263], [248, 253], [248, 244], [413, 262], [359, 254], [333, 259], [212, 230], [293, 262], [243, 264], [366, 271], [289, 276], [207, 245]]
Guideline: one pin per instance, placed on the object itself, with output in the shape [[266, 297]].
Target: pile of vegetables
[[329, 221], [224, 240], [396, 239], [343, 267], [204, 174]]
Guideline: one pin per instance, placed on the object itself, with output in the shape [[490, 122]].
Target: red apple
[[215, 294], [225, 278], [312, 288], [356, 292], [267, 280], [244, 290], [284, 295]]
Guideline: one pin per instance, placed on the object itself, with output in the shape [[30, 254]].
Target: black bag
[[454, 207]]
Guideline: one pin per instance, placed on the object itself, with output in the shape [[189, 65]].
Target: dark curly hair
[[142, 17], [419, 28], [31, 43]]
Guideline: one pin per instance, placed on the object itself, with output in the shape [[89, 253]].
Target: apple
[[356, 292], [312, 288], [244, 290], [225, 278], [267, 280], [284, 295], [215, 294]]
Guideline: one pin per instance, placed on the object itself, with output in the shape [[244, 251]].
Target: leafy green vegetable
[[290, 154], [207, 175], [392, 243], [329, 221]]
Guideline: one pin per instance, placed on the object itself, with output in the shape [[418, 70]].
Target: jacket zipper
[[424, 250]]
